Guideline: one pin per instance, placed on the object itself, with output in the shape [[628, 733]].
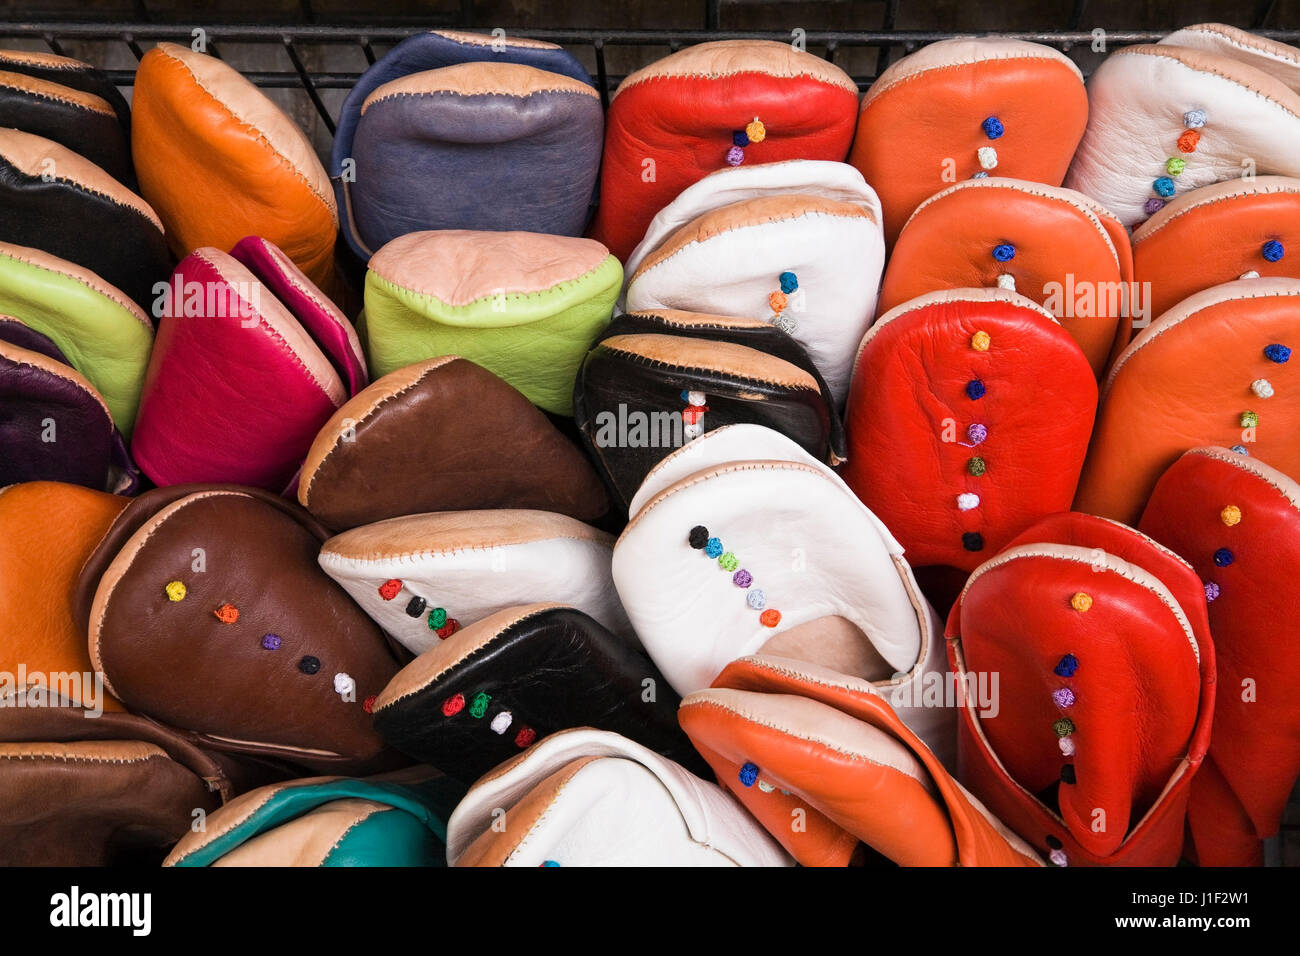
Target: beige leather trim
[[959, 52], [480, 78], [443, 656], [246, 103], [27, 153], [40, 259], [495, 849], [1237, 290], [412, 537], [306, 840], [56, 91], [234, 814], [358, 409], [483, 39], [1215, 193], [747, 214], [281, 323], [51, 60], [1287, 487], [1095, 559], [1221, 37], [87, 751], [460, 266], [805, 719], [699, 320], [1234, 71], [53, 367], [722, 58], [724, 358], [1090, 209], [1151, 542]]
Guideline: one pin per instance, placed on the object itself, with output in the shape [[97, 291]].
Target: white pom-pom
[[1058, 857], [1067, 745], [1262, 387], [1252, 274], [988, 157], [693, 430], [968, 501], [695, 398], [344, 685], [1007, 281], [501, 722]]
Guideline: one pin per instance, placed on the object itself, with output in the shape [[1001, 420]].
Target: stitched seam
[[660, 364], [1251, 466], [411, 557], [1205, 203], [1167, 54], [1060, 59], [135, 310], [468, 93], [54, 97], [432, 296]]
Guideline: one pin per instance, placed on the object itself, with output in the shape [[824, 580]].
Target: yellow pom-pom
[[175, 591], [1081, 601], [756, 131], [980, 341], [1230, 515], [777, 301]]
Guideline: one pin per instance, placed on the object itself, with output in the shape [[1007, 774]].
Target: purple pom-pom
[[1153, 205], [977, 433], [742, 578], [271, 642], [735, 156], [1211, 591], [1063, 697]]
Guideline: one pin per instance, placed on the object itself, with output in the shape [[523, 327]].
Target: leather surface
[[182, 663], [681, 119], [54, 426], [68, 72], [1255, 746], [911, 412], [47, 530], [306, 822], [729, 261], [236, 389], [1139, 96], [83, 122], [542, 146], [1138, 663], [220, 161], [1189, 379], [37, 212], [420, 53], [619, 384], [602, 797], [526, 322], [98, 330], [443, 435], [921, 124], [790, 720], [551, 667], [1071, 256], [1223, 230], [470, 564]]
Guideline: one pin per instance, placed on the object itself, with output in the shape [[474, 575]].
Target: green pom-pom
[[1249, 419], [728, 562], [976, 466], [479, 707], [437, 618], [1063, 727]]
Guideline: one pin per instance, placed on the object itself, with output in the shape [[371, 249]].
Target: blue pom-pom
[[789, 282], [975, 389], [686, 396], [1223, 557], [993, 127], [550, 863], [1273, 250], [980, 175], [1240, 450], [748, 774], [713, 547], [1277, 353], [1066, 666], [1004, 252], [740, 138], [1164, 186]]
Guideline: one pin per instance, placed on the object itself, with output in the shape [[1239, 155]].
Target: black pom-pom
[[415, 607], [1067, 773], [309, 664], [699, 536], [972, 541]]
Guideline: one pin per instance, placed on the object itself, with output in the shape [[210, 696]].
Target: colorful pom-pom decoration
[[713, 547], [1174, 165], [975, 389], [789, 282], [525, 737], [1230, 515], [993, 127], [448, 629], [739, 138], [1164, 186], [977, 433], [756, 599], [1195, 119], [756, 131], [1066, 666], [271, 642], [748, 773], [976, 466], [415, 607], [1240, 450], [1262, 388], [1007, 281], [1187, 142], [770, 618], [1004, 252], [368, 705], [1063, 697], [742, 578], [1067, 773], [988, 157], [777, 302], [227, 614], [1224, 557], [981, 341], [698, 537], [388, 590], [728, 562], [344, 684], [968, 502], [1058, 858], [309, 664], [479, 705], [175, 591], [1067, 746], [972, 541], [501, 722], [1063, 727], [1153, 205], [1211, 592], [1081, 601], [453, 705], [1249, 419], [1273, 250], [1277, 353], [437, 618], [735, 156]]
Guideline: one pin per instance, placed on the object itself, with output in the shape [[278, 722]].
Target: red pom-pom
[[448, 629], [453, 705], [525, 737], [369, 704], [770, 618], [389, 589]]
